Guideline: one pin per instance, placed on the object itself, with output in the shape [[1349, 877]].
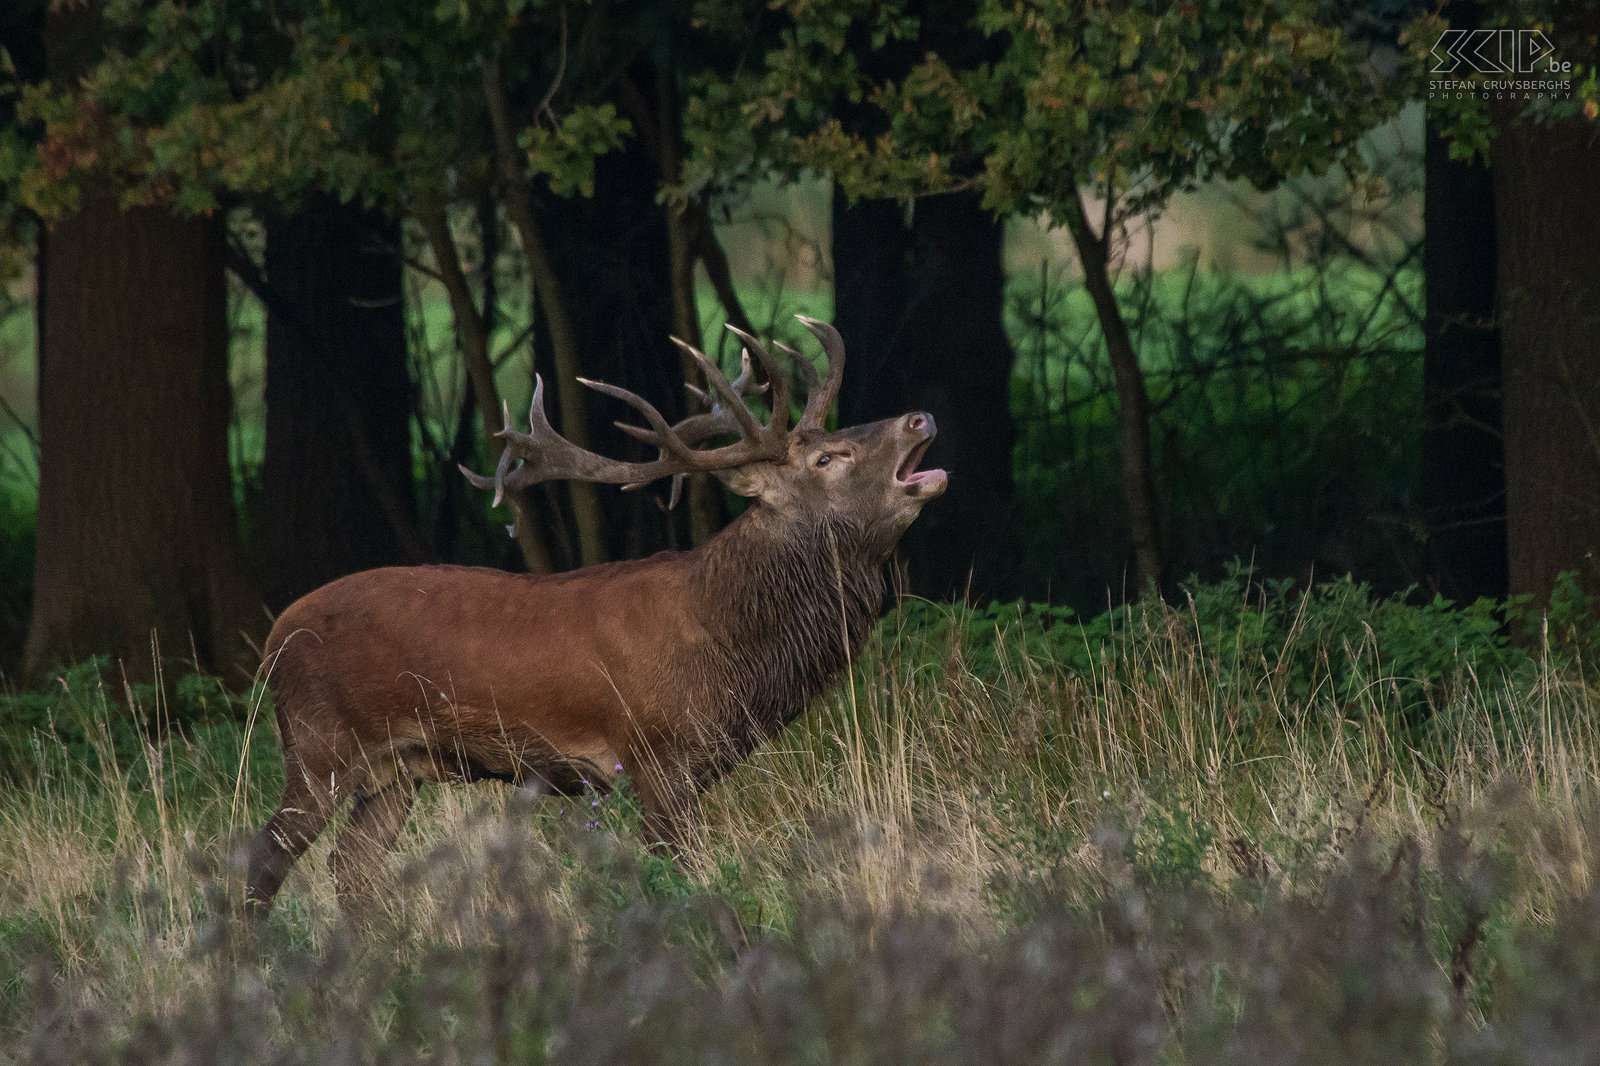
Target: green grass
[[1249, 826]]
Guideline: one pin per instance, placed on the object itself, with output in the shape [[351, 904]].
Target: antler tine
[[817, 404], [807, 370], [542, 454], [752, 429], [741, 384], [497, 482], [779, 422], [503, 467], [546, 455], [665, 437], [707, 424], [745, 384], [535, 406], [692, 430]]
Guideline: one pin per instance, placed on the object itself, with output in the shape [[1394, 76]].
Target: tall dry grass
[[1145, 804]]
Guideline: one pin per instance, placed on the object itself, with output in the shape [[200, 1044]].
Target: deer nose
[[919, 422]]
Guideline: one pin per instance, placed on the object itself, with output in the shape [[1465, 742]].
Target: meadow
[[1265, 820], [1259, 823]]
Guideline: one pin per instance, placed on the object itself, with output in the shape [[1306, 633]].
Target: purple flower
[[619, 768]]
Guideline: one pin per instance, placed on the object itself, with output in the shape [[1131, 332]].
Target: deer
[[669, 670]]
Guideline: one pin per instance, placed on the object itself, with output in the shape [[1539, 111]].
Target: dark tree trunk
[[337, 493], [550, 290], [136, 526], [472, 330], [1463, 461], [1547, 224], [612, 255], [1133, 401], [689, 238], [920, 310]]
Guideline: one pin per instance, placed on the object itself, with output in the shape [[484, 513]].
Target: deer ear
[[744, 480]]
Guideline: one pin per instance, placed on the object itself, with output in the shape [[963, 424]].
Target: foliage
[[1272, 643], [69, 720], [1572, 622], [206, 100], [1467, 104], [566, 154], [1144, 100]]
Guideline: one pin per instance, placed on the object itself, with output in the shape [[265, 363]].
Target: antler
[[717, 421], [818, 400], [542, 454]]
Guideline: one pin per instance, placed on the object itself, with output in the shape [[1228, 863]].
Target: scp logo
[[1492, 52]]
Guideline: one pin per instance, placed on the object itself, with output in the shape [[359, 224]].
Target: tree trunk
[[474, 335], [704, 496], [136, 529], [550, 295], [337, 491], [1463, 461], [920, 310], [684, 244], [1547, 226], [611, 250], [1133, 416]]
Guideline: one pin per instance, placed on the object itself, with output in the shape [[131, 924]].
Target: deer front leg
[[670, 800]]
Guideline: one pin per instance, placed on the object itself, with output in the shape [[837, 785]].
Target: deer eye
[[822, 460]]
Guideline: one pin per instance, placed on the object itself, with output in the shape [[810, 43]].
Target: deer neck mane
[[790, 604]]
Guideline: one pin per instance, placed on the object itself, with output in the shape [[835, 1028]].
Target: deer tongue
[[925, 482]]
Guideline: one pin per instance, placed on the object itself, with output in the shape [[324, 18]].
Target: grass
[[1226, 830]]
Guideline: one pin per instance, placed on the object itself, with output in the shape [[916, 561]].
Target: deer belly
[[461, 742]]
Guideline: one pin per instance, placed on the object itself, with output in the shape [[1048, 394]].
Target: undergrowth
[[1258, 823]]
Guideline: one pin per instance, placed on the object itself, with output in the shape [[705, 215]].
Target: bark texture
[[919, 306], [136, 531], [1133, 402], [1547, 220], [1463, 460], [337, 491]]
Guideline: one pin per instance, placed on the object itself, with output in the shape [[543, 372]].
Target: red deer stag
[[671, 668]]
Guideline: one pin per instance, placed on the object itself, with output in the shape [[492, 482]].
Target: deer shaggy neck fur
[[791, 606]]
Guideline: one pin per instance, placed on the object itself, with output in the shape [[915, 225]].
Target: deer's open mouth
[[920, 482]]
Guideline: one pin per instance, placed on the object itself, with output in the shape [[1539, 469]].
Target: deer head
[[864, 476]]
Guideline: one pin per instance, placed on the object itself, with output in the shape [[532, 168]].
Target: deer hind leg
[[300, 818], [364, 843]]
